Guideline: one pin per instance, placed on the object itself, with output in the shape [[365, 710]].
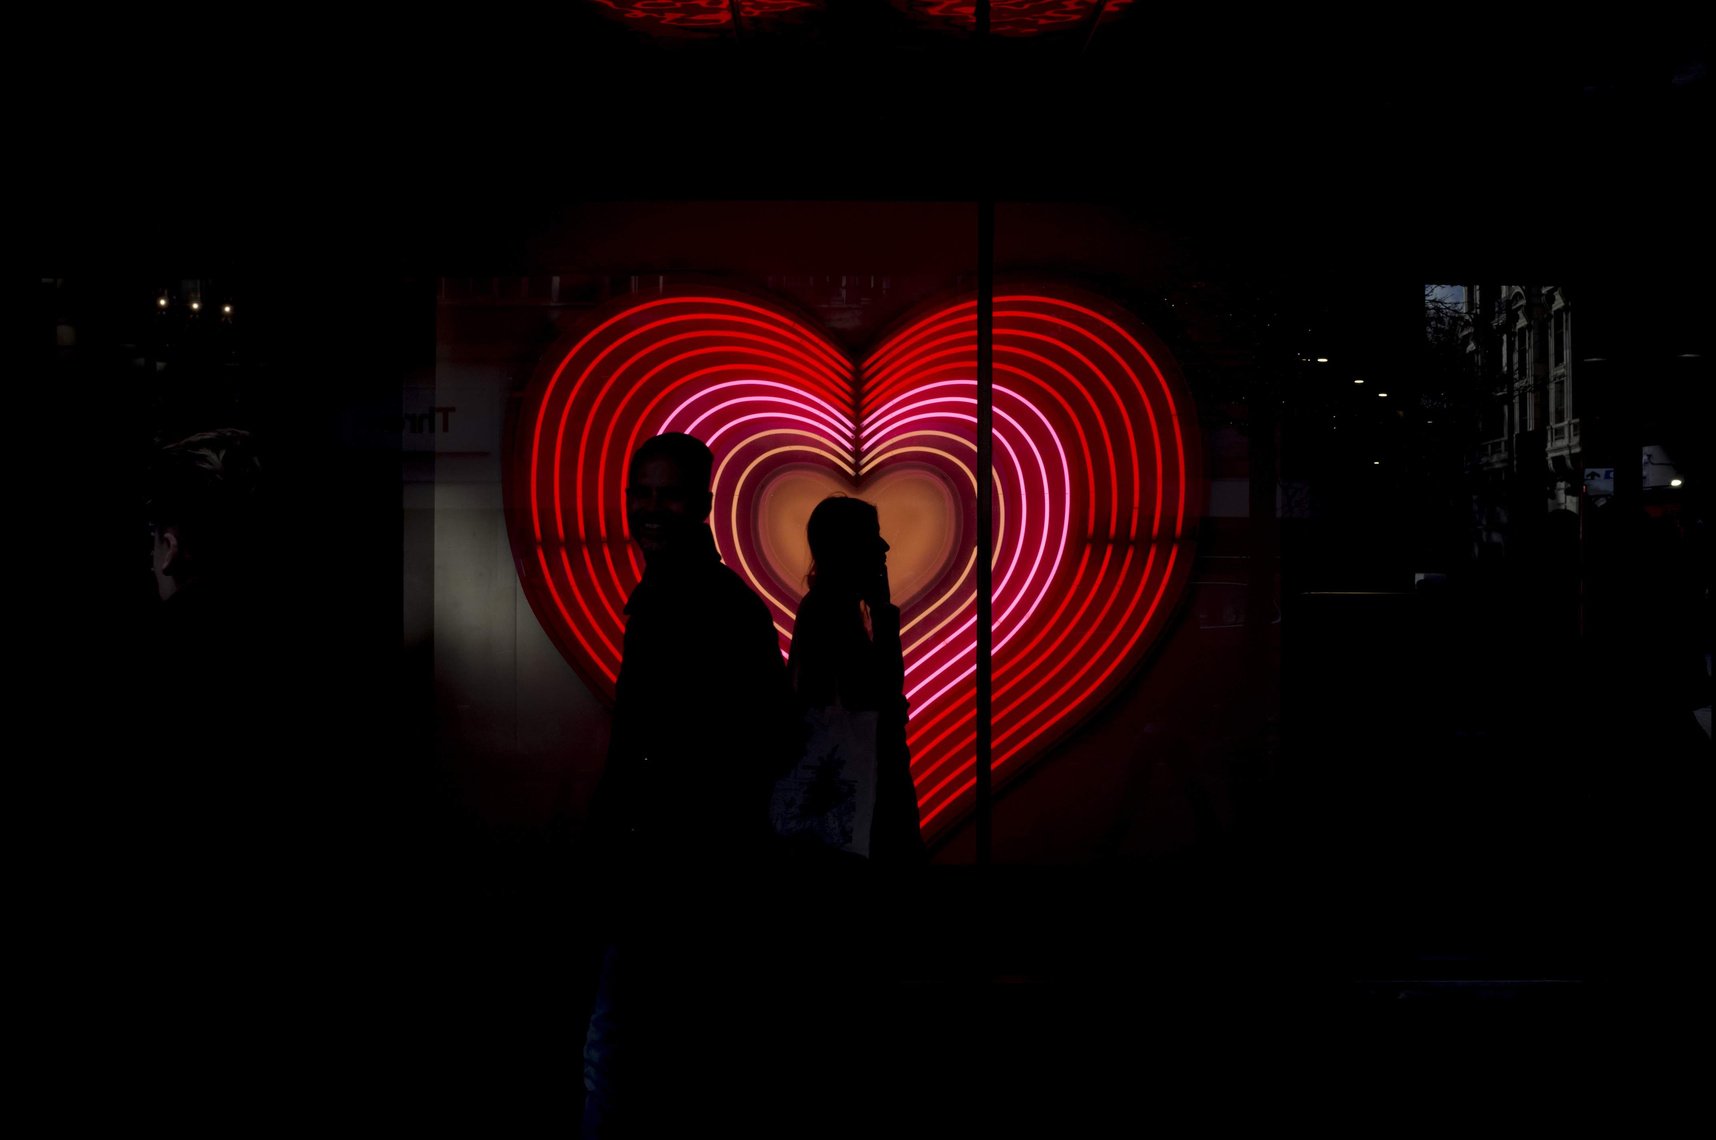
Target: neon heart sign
[[1096, 482]]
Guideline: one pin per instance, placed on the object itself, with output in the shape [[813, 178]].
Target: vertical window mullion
[[985, 513]]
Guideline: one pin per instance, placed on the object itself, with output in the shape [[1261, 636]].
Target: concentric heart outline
[[1097, 474]]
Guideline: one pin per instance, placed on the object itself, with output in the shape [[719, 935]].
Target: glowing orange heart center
[[919, 516]]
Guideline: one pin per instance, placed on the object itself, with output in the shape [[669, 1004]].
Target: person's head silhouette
[[667, 494], [848, 554], [201, 502]]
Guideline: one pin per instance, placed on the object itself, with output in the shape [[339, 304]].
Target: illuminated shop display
[[1096, 488]]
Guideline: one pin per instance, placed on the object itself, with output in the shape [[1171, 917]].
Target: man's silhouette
[[680, 820]]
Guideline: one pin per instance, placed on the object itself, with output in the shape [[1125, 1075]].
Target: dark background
[[1427, 882]]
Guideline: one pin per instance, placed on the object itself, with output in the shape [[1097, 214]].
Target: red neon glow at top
[[1006, 17], [1010, 17], [694, 15]]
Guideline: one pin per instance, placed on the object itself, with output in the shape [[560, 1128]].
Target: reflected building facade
[[1518, 345]]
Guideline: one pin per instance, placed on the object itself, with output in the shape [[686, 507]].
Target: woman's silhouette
[[846, 653], [837, 957]]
